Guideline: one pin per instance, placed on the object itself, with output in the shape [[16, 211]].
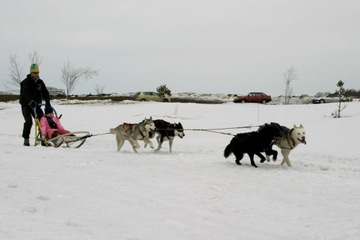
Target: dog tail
[[228, 150], [112, 130]]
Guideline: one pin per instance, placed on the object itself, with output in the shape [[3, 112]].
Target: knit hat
[[48, 109], [34, 68]]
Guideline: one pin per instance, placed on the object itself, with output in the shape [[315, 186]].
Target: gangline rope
[[212, 130]]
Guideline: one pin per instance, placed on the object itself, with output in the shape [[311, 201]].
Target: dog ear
[[301, 126], [295, 126]]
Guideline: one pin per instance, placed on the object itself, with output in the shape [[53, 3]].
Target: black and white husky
[[166, 131], [289, 140], [133, 132]]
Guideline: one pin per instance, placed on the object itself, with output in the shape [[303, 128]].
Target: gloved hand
[[32, 104], [47, 104]]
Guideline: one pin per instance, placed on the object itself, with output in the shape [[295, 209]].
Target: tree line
[[71, 76]]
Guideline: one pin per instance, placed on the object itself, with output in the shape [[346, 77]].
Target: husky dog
[[133, 132], [252, 143], [289, 140], [166, 132]]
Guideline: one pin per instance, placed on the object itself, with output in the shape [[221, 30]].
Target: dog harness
[[289, 140]]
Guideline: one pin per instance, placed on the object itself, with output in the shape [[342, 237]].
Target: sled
[[72, 139]]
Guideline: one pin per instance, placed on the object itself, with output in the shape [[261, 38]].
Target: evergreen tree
[[163, 91], [340, 92]]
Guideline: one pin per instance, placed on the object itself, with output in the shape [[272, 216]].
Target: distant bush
[[8, 98]]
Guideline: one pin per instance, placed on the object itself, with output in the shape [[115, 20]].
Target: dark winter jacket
[[31, 90]]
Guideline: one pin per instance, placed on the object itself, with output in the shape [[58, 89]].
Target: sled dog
[[289, 140], [252, 143], [166, 131], [133, 132]]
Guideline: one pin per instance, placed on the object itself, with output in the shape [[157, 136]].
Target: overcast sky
[[204, 46]]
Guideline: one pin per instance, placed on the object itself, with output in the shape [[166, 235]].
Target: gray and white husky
[[133, 132], [290, 139]]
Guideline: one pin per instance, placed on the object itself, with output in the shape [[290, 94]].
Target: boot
[[26, 142], [45, 143]]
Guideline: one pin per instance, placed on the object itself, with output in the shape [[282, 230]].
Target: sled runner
[[71, 139]]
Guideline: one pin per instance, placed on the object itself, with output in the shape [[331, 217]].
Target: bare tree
[[34, 57], [71, 76], [16, 72], [289, 76], [99, 89]]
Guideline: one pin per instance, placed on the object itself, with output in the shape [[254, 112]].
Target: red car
[[254, 97]]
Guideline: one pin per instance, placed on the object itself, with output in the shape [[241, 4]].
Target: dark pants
[[29, 114]]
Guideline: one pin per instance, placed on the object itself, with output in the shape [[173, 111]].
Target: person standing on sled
[[32, 91], [50, 125]]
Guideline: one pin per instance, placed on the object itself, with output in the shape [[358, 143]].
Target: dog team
[[145, 130], [250, 143]]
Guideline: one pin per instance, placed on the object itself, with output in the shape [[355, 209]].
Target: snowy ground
[[96, 193]]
